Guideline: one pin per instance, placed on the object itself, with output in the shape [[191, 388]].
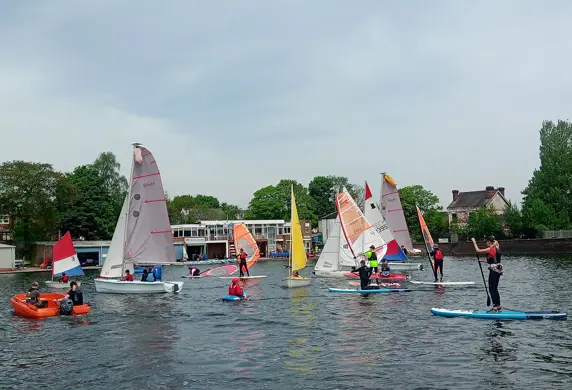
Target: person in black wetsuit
[[495, 270], [364, 275], [404, 250], [145, 275]]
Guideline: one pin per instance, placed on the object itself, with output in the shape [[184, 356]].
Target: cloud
[[233, 96]]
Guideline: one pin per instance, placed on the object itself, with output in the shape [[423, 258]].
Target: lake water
[[303, 338]]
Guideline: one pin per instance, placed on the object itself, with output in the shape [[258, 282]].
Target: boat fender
[[66, 307]]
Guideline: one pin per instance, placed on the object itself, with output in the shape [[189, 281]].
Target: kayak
[[232, 298], [381, 284], [500, 315], [242, 277], [377, 276], [443, 283], [24, 309], [373, 291]]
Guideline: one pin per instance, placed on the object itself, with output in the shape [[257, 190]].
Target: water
[[296, 339]]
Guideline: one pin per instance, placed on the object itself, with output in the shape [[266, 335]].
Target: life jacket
[[492, 257], [235, 290], [243, 256], [65, 279], [438, 255], [372, 261]]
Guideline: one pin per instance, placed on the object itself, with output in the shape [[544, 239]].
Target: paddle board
[[242, 277], [443, 283], [501, 315], [191, 277], [381, 284], [378, 276], [232, 298], [374, 291]]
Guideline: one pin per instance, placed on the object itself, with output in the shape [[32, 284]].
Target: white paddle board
[[443, 283], [242, 277], [191, 277]]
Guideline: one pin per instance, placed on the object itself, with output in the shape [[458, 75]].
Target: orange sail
[[244, 240], [426, 236]]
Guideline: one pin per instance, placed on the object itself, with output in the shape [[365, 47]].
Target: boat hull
[[24, 309], [292, 282], [58, 285], [377, 276], [114, 286], [329, 274], [394, 266], [501, 315]]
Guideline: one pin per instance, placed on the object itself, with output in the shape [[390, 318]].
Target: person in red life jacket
[[235, 290], [438, 261], [128, 277], [194, 271], [495, 269], [64, 278], [242, 262]]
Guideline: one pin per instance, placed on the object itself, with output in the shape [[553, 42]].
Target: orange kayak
[[24, 309]]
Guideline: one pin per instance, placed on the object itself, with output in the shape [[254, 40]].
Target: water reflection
[[301, 352]]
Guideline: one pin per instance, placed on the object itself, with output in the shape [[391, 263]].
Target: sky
[[234, 95]]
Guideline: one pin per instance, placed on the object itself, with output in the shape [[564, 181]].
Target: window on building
[[186, 233], [280, 230], [286, 229], [176, 233], [257, 230], [307, 227], [194, 232], [454, 218], [4, 220]]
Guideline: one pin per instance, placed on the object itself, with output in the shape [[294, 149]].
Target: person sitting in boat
[[157, 272], [194, 271], [364, 274], [128, 277], [64, 278], [384, 268], [145, 275], [404, 249], [234, 289], [75, 294], [33, 297], [372, 257], [242, 262], [295, 274], [438, 261], [34, 287]]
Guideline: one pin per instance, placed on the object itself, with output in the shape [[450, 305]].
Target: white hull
[[296, 282], [405, 266], [330, 274], [114, 286], [59, 285], [444, 283]]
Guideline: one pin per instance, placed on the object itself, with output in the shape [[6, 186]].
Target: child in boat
[[295, 274], [234, 289], [384, 267], [64, 278], [128, 277]]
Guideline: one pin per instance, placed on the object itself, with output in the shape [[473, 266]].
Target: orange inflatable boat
[[24, 309]]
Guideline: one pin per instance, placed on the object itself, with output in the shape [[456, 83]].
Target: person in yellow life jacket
[[372, 258]]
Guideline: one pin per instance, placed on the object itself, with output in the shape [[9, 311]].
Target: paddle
[[484, 281]]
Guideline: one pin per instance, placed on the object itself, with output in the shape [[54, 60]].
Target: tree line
[[87, 201]]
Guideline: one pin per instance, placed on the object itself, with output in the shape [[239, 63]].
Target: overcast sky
[[235, 95]]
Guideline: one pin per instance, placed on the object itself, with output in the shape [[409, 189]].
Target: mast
[[128, 207], [363, 235], [290, 262], [423, 236]]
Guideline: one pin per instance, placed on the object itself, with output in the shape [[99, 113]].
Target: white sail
[[114, 260], [336, 252], [392, 211]]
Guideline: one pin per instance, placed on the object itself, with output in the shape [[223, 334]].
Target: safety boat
[[143, 232], [24, 309]]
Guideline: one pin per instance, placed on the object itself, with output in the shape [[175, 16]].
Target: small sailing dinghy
[[297, 255], [64, 259], [244, 240], [143, 232], [500, 315], [429, 247], [386, 285], [395, 256]]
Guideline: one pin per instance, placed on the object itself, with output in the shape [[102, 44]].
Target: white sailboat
[[336, 258], [395, 256], [297, 259], [64, 260], [142, 234]]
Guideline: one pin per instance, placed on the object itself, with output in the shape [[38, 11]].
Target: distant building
[[5, 228], [466, 202]]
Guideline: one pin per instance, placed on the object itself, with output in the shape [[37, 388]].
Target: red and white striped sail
[[65, 258], [358, 231]]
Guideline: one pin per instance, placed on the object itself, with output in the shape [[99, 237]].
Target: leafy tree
[[205, 202], [29, 194], [231, 211], [273, 202], [91, 214], [513, 221], [323, 190], [547, 203], [192, 209], [428, 203], [115, 184], [484, 222]]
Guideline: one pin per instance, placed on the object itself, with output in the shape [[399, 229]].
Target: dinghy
[[297, 259], [64, 259], [24, 309], [335, 258], [143, 233]]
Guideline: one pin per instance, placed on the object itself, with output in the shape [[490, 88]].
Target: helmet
[[235, 281]]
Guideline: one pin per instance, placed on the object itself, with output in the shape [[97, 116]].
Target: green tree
[[29, 194], [513, 219], [323, 190], [193, 209], [436, 219], [231, 211], [115, 184], [547, 203], [273, 202], [91, 214], [484, 222]]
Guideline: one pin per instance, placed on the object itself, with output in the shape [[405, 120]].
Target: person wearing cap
[[371, 256], [234, 289], [33, 296], [437, 261]]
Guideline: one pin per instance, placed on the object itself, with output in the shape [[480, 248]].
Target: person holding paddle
[[495, 270]]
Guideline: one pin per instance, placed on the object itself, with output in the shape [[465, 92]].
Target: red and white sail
[[65, 258]]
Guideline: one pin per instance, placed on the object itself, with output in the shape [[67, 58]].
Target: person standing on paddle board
[[497, 246], [372, 258], [364, 274], [242, 259], [438, 261], [495, 270]]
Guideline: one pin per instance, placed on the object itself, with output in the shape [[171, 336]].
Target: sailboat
[[336, 258], [297, 259], [392, 211], [142, 234], [64, 259], [429, 245], [245, 241], [394, 254]]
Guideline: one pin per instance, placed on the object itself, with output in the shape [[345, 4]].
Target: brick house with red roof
[[466, 202]]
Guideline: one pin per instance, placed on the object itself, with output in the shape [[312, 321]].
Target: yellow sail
[[297, 250]]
